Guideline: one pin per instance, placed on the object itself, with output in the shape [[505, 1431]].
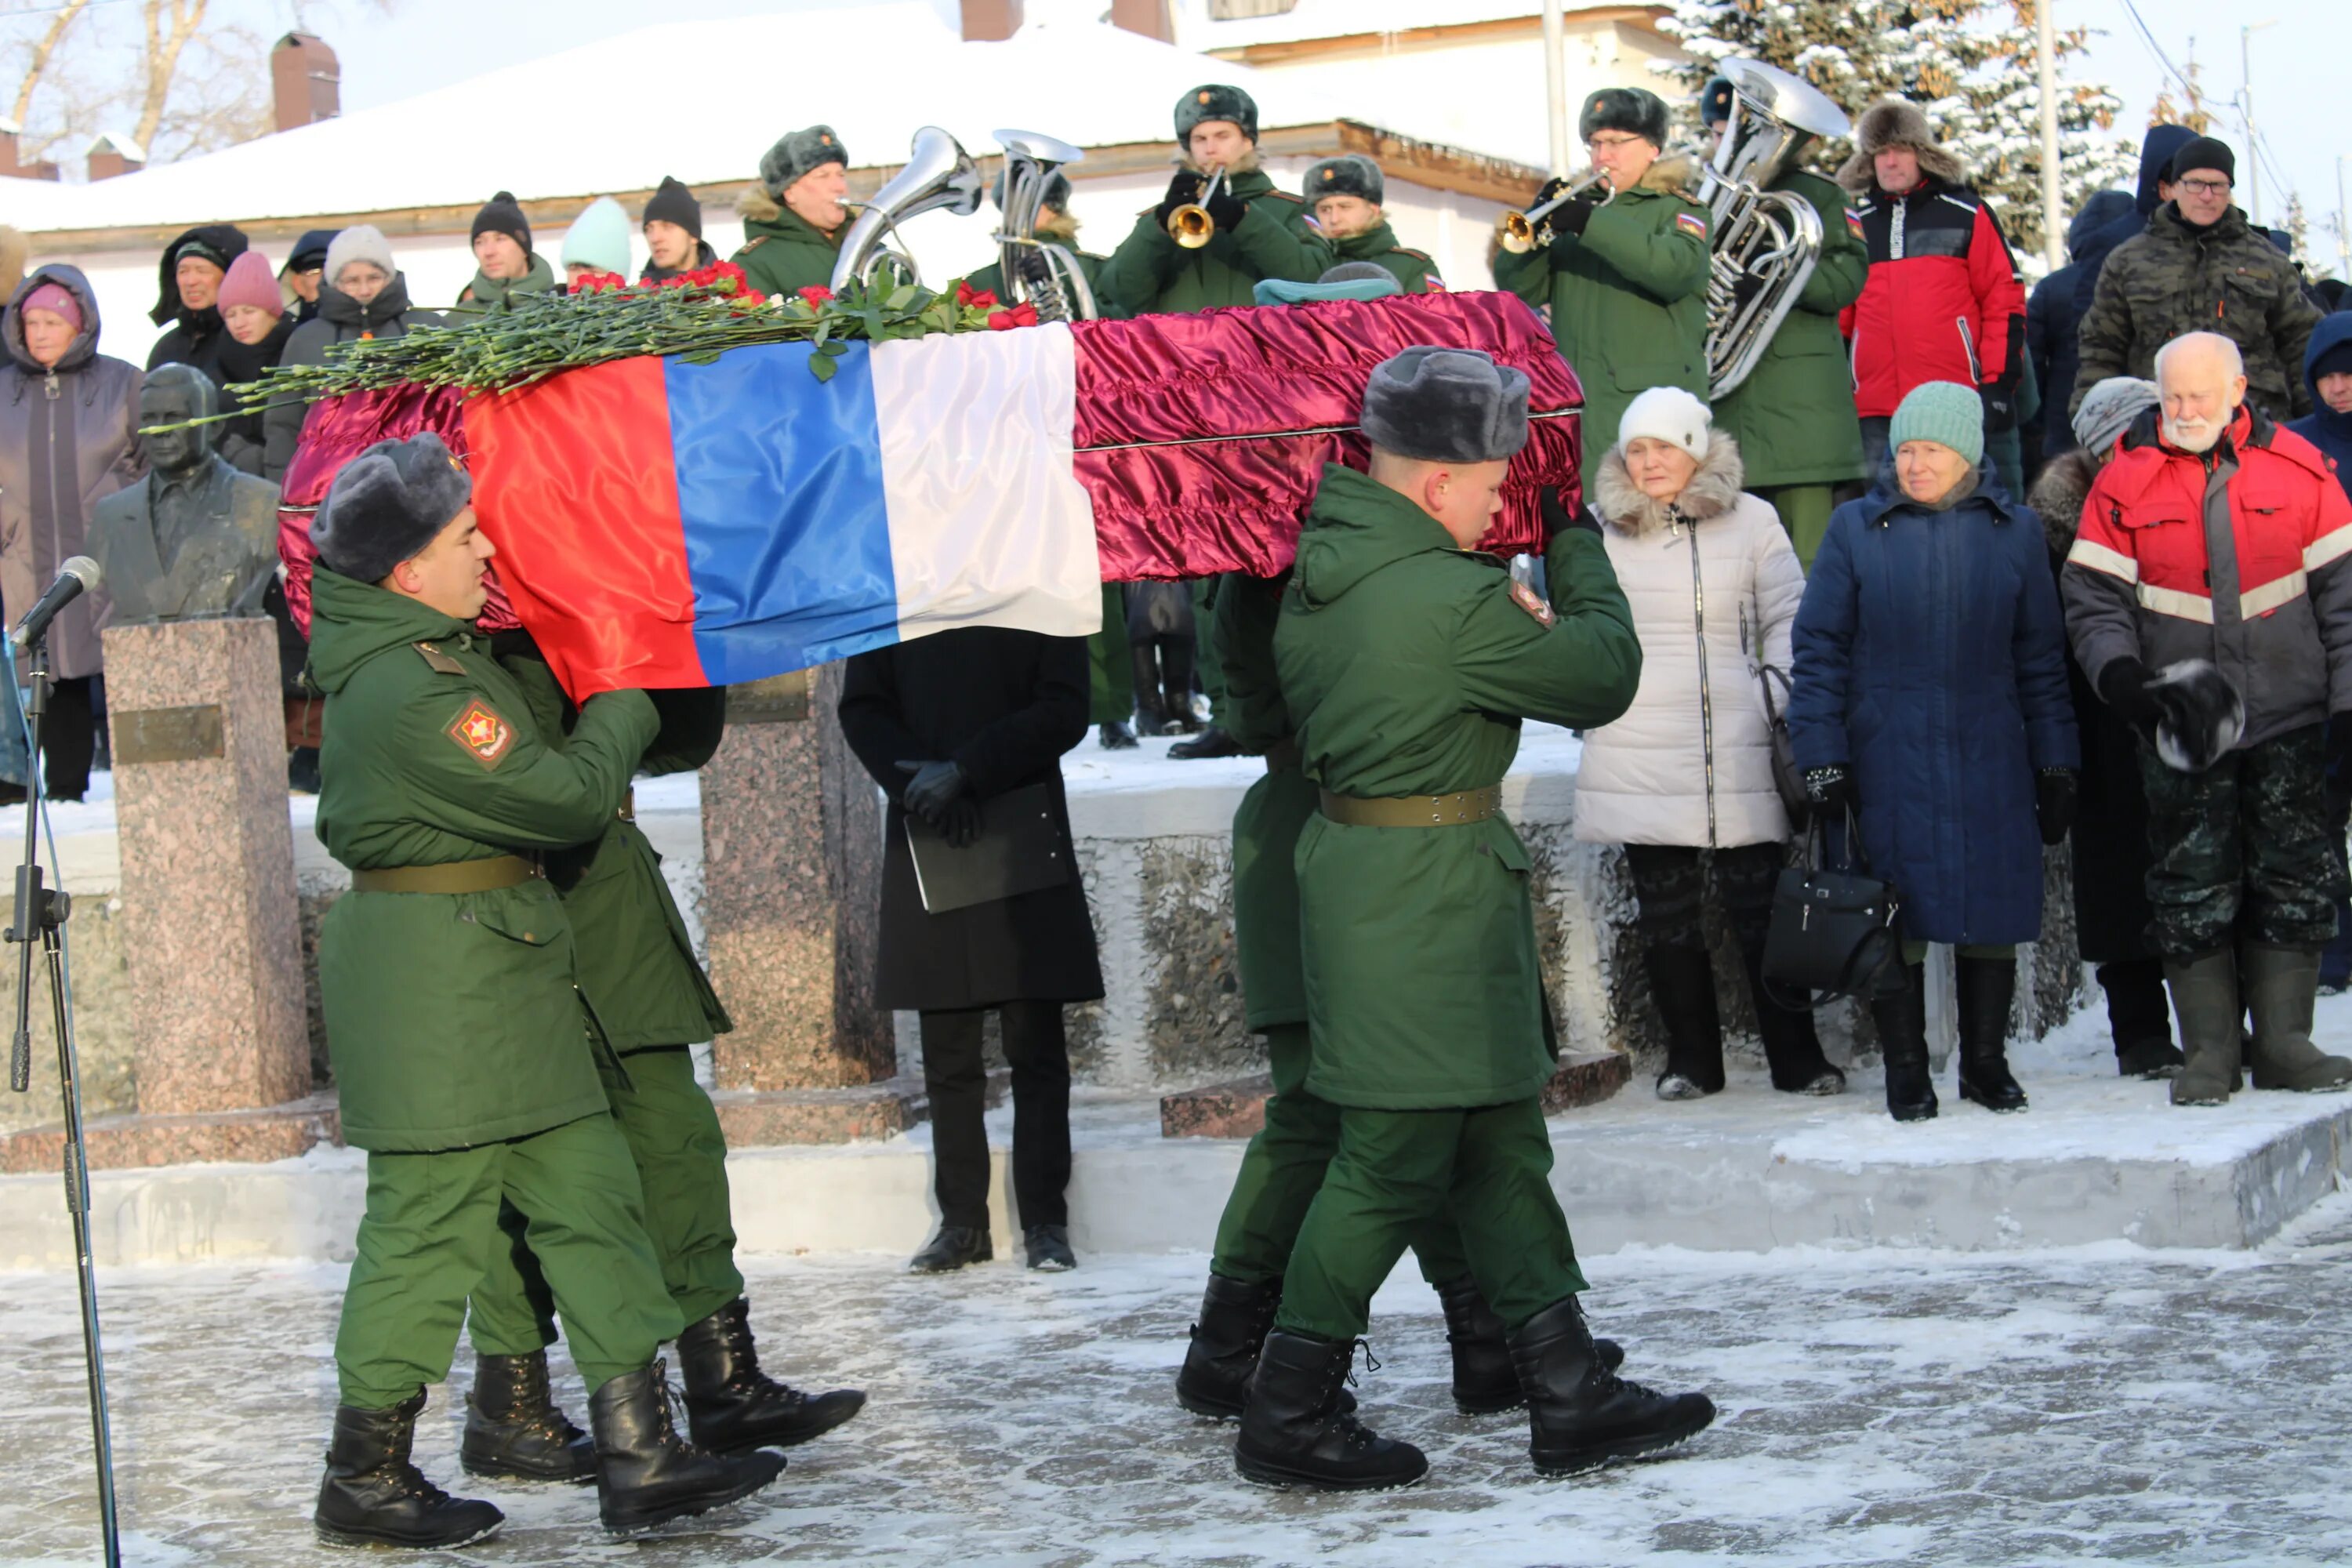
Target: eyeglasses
[[1611, 143], [2207, 187]]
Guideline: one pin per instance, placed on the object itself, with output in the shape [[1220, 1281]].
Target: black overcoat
[[1004, 705]]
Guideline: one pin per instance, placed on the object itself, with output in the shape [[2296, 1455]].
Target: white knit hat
[[360, 242], [1666, 413]]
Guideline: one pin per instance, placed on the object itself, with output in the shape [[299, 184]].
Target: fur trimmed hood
[[2059, 494], [759, 206], [1673, 174], [1712, 491], [1896, 123]]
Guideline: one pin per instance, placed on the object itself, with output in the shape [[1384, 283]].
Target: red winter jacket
[[2260, 582], [1943, 301]]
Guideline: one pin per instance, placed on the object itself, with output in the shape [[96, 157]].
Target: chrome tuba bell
[[939, 174], [1061, 293], [1764, 243]]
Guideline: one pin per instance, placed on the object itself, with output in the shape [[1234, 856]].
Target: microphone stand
[[45, 909]]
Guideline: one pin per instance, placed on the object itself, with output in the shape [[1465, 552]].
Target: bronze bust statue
[[195, 538]]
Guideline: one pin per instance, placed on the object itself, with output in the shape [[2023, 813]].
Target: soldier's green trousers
[[1394, 1170], [672, 1132], [1283, 1169], [1804, 511], [431, 1228], [1110, 675]]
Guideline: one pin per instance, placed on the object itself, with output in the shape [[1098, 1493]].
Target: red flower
[[599, 283], [1021, 315], [973, 299], [815, 294]]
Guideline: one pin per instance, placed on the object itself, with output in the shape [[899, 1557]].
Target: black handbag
[[1833, 932], [1787, 777]]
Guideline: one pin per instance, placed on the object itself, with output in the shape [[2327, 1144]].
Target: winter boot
[[732, 1406], [1116, 735], [646, 1473], [513, 1429], [1176, 686], [1151, 717], [1235, 1320], [371, 1496], [1294, 1434], [2280, 983], [1902, 1020], [1484, 1382], [1580, 1414], [1682, 981], [1213, 742], [1987, 986], [2205, 997], [2139, 1018], [1791, 1047]]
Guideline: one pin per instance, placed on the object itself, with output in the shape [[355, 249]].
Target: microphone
[[75, 578]]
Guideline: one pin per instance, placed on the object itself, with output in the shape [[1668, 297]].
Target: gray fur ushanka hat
[[1446, 405], [388, 504], [1216, 101], [1349, 175], [1636, 111], [797, 153]]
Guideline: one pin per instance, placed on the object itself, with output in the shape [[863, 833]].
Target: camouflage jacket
[[2176, 279]]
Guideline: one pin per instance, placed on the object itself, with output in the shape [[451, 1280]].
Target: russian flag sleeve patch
[[1691, 222], [1854, 222]]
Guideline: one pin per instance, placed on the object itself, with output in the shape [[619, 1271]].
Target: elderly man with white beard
[[2209, 599]]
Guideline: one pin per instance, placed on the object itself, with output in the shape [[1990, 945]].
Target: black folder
[[1020, 849]]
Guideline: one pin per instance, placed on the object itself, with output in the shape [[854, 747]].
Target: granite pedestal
[[221, 1061], [792, 835]]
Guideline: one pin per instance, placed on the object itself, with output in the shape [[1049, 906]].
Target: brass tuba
[[1031, 162], [1764, 243], [1521, 232], [939, 174], [1191, 225]]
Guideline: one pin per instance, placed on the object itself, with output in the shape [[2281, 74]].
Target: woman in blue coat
[[1929, 698]]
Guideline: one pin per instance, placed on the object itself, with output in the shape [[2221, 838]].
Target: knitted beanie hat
[[599, 237], [360, 242], [674, 202], [502, 215], [2109, 408], [251, 282], [1666, 413], [1943, 412]]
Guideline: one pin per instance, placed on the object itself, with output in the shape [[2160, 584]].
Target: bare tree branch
[[163, 60], [41, 53]]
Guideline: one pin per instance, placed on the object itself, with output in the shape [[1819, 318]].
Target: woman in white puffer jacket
[[1685, 779]]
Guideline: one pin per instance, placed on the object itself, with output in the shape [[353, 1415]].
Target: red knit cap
[[59, 300], [251, 282]]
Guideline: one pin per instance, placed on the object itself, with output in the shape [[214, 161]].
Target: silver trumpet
[[1521, 232], [1031, 162], [939, 174]]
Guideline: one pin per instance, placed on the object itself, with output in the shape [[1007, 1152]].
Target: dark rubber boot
[[1682, 981], [513, 1429], [371, 1496], [1792, 1047], [1580, 1414], [2281, 984], [2205, 997], [1902, 1020], [1987, 986], [2139, 1018], [1294, 1433], [732, 1406], [646, 1473]]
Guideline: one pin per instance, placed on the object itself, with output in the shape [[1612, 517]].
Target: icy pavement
[[2105, 1405]]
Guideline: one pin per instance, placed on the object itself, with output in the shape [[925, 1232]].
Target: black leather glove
[[932, 787], [1558, 520], [1182, 192], [1551, 188], [1227, 209], [1035, 269], [1572, 218], [2054, 803], [1832, 791], [958, 822], [2123, 687], [1999, 406]]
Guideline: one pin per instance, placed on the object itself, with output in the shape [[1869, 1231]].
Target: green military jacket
[[1267, 822], [486, 294], [784, 252], [1794, 415], [453, 1020], [1151, 274], [638, 966], [2176, 279], [1091, 266], [1414, 269], [1628, 298], [1408, 665]]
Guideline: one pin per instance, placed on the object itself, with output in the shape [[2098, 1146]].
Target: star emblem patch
[[486, 737]]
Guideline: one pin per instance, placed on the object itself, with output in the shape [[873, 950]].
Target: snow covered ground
[[2104, 1404]]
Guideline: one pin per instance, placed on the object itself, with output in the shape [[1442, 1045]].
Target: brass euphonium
[[1521, 232], [1191, 225]]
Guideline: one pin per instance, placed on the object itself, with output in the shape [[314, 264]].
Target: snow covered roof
[[1196, 29], [120, 141], [1087, 83]]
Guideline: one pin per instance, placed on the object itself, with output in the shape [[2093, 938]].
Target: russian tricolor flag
[[663, 523]]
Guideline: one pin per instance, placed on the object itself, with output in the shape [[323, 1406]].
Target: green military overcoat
[[1267, 822], [1794, 415], [1628, 297], [1414, 269], [453, 1020], [638, 966], [1151, 274], [782, 252], [1408, 664], [992, 278]]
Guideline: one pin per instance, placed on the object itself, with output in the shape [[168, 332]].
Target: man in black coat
[[946, 724], [188, 280], [2052, 319]]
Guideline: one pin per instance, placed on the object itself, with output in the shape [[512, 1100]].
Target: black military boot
[[646, 1473], [1484, 1382], [1682, 981], [1902, 1020], [1580, 1414], [732, 1406], [1987, 986], [1213, 742], [371, 1496], [513, 1429], [1235, 1320], [1294, 1434], [1117, 735]]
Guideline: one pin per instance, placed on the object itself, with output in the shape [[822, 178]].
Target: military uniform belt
[[457, 877], [1282, 755], [1415, 810]]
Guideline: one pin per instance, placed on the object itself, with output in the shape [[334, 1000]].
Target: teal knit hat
[[1943, 412], [599, 237]]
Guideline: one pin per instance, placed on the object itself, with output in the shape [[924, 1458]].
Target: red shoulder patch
[[1533, 603], [482, 734]]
